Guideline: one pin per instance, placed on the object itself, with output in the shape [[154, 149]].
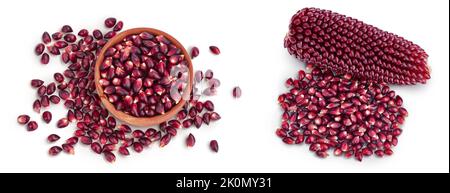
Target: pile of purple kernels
[[332, 112], [75, 88]]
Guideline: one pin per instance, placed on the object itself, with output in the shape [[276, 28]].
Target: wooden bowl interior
[[142, 121]]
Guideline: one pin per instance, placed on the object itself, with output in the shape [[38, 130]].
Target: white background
[[250, 35]]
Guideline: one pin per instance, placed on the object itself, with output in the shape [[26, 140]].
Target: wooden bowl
[[142, 121]]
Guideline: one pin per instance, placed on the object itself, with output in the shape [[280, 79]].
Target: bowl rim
[[142, 121]]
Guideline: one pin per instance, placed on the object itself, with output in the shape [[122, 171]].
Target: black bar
[[224, 182]]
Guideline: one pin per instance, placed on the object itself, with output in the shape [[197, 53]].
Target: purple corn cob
[[345, 45]]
